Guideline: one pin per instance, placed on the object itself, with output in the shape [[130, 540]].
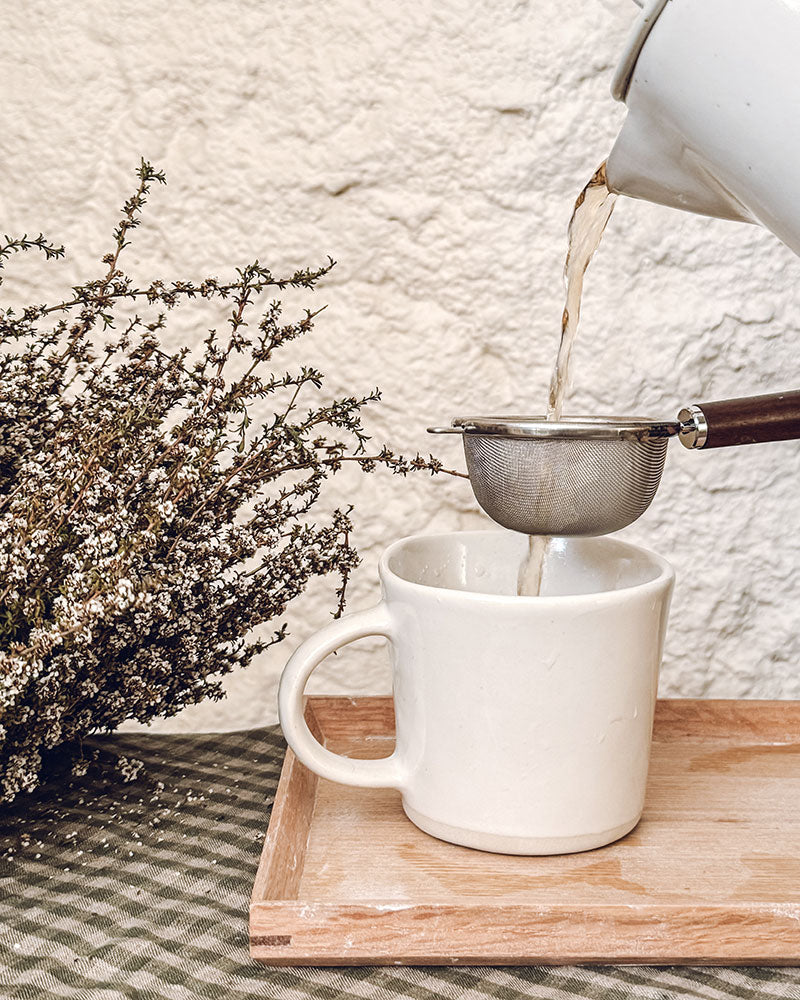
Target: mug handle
[[383, 773]]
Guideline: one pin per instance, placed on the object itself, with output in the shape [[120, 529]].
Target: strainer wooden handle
[[748, 420]]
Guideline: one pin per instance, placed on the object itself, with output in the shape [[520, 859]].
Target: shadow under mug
[[523, 723]]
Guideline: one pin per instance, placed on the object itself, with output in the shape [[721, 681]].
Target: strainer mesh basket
[[564, 486]]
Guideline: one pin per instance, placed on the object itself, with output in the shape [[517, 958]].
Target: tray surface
[[711, 875]]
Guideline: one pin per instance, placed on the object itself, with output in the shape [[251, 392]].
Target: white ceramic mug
[[523, 723]]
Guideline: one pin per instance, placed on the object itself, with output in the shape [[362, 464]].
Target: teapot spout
[[652, 162]]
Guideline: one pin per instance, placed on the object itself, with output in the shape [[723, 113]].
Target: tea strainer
[[594, 475]]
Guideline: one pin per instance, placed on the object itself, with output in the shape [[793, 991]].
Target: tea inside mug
[[489, 563]]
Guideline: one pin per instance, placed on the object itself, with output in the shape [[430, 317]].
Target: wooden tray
[[710, 876]]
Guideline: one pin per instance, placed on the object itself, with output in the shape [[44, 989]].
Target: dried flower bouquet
[[148, 523]]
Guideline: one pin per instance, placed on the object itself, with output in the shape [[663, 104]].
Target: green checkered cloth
[[111, 890]]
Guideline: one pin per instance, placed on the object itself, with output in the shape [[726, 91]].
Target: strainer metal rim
[[592, 427]]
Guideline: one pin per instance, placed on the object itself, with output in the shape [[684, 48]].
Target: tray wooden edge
[[684, 718], [280, 865], [493, 933]]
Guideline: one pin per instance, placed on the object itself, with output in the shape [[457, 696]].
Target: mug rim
[[665, 577]]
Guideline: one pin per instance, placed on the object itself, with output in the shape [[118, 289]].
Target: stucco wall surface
[[434, 149]]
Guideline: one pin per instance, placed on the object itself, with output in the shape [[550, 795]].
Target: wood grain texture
[[750, 419], [711, 875], [284, 853]]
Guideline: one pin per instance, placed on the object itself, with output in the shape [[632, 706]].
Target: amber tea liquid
[[590, 216]]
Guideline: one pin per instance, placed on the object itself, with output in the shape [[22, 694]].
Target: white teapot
[[712, 89]]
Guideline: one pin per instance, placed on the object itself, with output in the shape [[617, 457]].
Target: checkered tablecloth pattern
[[140, 891]]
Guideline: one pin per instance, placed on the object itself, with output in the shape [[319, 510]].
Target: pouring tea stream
[[590, 216]]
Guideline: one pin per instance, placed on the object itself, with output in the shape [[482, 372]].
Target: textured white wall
[[434, 149]]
